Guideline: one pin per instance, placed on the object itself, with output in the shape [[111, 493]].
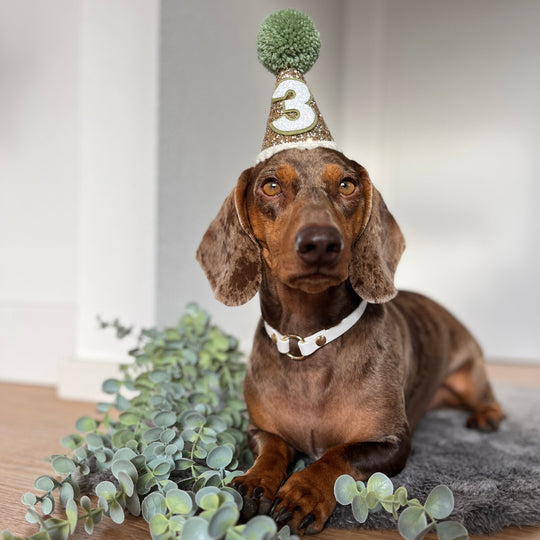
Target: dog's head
[[315, 219]]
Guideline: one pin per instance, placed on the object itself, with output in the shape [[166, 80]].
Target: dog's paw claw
[[306, 522], [277, 500], [283, 516]]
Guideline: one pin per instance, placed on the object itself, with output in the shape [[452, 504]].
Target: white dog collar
[[310, 344]]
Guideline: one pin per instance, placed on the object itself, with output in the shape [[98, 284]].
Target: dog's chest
[[310, 407]]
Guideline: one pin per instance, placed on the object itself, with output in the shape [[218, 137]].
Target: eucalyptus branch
[[184, 424]]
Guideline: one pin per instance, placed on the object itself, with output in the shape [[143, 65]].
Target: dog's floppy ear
[[376, 254], [228, 254]]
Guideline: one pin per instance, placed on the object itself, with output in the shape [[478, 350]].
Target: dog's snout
[[319, 245]]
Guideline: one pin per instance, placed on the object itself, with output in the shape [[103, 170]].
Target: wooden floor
[[33, 420]]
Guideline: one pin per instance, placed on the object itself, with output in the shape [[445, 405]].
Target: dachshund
[[307, 229]]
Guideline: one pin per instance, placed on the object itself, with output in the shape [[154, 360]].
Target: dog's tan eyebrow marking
[[332, 172], [286, 173]]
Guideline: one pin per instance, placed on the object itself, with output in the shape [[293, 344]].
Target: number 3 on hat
[[298, 115]]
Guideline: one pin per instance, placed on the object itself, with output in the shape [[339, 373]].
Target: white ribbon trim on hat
[[310, 344], [303, 145]]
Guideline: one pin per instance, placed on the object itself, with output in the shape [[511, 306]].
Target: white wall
[[38, 188], [79, 183], [438, 99], [453, 97], [118, 172]]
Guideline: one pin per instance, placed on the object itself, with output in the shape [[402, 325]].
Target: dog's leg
[[262, 481], [468, 388], [307, 500]]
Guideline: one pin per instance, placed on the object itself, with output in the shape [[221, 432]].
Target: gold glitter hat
[[288, 45]]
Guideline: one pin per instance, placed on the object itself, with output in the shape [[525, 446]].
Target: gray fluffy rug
[[495, 477]]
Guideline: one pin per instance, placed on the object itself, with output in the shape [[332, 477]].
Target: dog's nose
[[319, 245]]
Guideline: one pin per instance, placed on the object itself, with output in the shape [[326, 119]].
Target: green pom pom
[[288, 39]]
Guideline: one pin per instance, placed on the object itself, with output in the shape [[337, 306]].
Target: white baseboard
[[35, 339]]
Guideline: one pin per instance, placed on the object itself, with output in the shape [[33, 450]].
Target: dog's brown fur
[[354, 403]]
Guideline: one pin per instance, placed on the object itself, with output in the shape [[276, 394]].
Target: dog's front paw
[[305, 501], [258, 489]]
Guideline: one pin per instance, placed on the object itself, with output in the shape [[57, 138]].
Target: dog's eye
[[271, 188], [347, 187]]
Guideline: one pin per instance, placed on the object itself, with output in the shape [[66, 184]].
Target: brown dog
[[309, 231]]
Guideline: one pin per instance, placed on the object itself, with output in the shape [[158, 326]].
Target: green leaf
[[159, 525], [133, 505], [153, 504], [235, 496], [126, 454], [121, 437], [259, 528], [32, 516], [380, 484], [106, 489], [183, 464], [28, 499], [63, 465], [236, 533], [200, 452], [116, 512], [58, 529], [160, 467], [193, 420], [41, 535], [111, 386], [86, 424], [94, 441], [159, 377], [451, 530], [86, 504], [67, 493], [125, 466], [412, 523], [47, 505], [6, 535], [400, 495], [72, 513], [345, 489], [209, 501], [165, 419], [195, 528], [178, 502], [219, 457], [360, 508], [225, 518], [45, 483], [211, 490], [152, 434], [103, 407], [89, 525], [126, 483], [216, 423], [372, 500], [167, 436], [129, 418], [440, 502], [71, 442], [121, 403]]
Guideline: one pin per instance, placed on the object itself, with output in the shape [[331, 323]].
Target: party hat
[[288, 45]]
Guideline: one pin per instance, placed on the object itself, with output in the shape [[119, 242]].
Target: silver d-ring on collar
[[287, 337]]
